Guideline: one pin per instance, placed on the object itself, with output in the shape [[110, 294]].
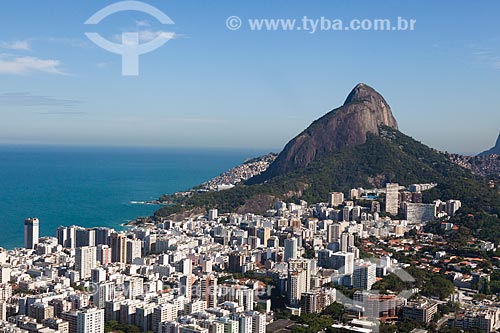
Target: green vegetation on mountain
[[355, 145], [390, 157]]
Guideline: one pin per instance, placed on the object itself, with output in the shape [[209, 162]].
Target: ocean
[[90, 186]]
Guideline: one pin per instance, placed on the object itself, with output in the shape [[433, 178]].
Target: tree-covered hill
[[388, 157]]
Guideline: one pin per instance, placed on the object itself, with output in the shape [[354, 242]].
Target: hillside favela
[[366, 218]]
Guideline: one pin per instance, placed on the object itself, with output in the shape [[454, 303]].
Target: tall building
[[85, 261], [333, 232], [264, 234], [66, 236], [452, 206], [3, 256], [163, 313], [364, 275], [420, 310], [3, 311], [213, 214], [382, 307], [31, 232], [104, 254], [309, 302], [317, 300], [195, 307], [305, 265], [71, 317], [230, 326], [186, 286], [296, 285], [5, 292], [5, 271], [236, 261], [244, 321], [41, 311], [134, 249], [118, 244], [57, 325], [355, 193], [254, 242], [208, 289], [392, 198], [85, 237], [133, 287], [290, 249], [346, 213], [416, 213], [61, 306], [105, 292], [90, 321], [185, 266], [102, 235], [356, 213], [258, 322], [335, 199], [346, 241], [343, 262], [477, 320], [98, 275], [144, 316], [245, 297]]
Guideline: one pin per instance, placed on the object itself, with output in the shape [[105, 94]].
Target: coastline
[[249, 168], [95, 187]]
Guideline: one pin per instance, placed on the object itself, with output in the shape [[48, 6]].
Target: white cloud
[[147, 35], [24, 65], [20, 45], [143, 23]]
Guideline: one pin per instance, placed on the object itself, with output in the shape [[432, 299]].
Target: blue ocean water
[[95, 186]]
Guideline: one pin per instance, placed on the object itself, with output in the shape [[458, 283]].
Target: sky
[[211, 86]]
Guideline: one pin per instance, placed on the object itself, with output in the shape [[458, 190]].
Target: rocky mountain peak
[[363, 112], [494, 150]]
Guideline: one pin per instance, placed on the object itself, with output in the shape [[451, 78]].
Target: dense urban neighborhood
[[235, 167], [364, 261], [353, 227]]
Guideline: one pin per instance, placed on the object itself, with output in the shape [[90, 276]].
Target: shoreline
[[236, 174]]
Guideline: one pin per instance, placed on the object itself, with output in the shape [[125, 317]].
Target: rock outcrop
[[364, 111], [493, 151]]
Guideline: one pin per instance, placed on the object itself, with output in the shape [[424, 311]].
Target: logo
[[233, 23], [130, 49]]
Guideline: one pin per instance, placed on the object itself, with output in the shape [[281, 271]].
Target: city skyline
[[249, 166]]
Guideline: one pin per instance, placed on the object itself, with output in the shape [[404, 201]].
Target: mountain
[[363, 112], [494, 150], [484, 165], [356, 145]]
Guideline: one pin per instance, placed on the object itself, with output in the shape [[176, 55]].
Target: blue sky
[[213, 87]]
